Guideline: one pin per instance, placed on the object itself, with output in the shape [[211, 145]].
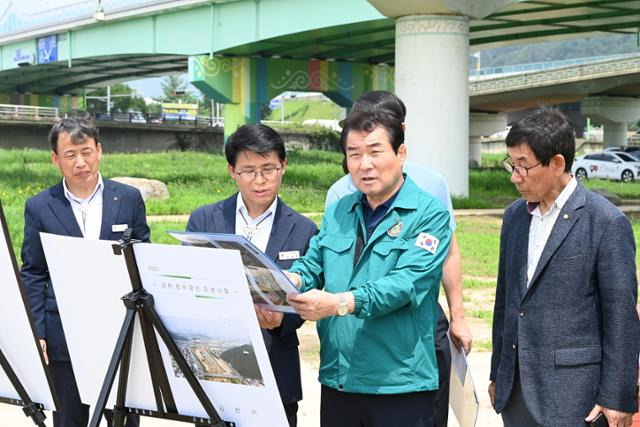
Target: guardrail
[[28, 112], [164, 119], [507, 70]]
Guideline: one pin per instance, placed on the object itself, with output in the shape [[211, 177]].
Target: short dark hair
[[548, 132], [375, 100], [78, 130], [367, 121], [258, 138]]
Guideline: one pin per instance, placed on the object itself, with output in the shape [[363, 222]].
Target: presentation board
[[202, 298], [18, 338]]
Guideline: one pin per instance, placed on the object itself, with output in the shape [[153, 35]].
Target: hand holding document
[[268, 284]]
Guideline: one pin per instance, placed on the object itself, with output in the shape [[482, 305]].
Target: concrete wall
[[135, 138], [118, 137]]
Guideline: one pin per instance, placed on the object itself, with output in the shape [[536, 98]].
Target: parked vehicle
[[607, 165]]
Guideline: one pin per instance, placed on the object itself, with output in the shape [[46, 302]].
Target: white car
[[608, 165]]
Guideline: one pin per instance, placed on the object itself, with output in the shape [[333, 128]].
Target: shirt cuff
[[359, 300]]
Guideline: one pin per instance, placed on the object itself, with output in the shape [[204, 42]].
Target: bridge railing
[[539, 66], [163, 119], [28, 112]]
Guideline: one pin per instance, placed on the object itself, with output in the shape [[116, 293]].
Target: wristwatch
[[343, 308]]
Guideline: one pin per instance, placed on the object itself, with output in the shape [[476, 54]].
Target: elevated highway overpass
[[243, 49]]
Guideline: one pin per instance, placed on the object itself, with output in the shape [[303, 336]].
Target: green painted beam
[[554, 32], [551, 7], [557, 20]]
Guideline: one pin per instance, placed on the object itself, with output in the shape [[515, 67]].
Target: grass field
[[195, 179], [298, 110]]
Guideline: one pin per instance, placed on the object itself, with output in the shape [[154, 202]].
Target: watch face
[[342, 309]]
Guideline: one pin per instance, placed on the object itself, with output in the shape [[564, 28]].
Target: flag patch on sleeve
[[427, 242]]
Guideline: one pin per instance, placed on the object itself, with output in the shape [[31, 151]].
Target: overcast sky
[[31, 6]]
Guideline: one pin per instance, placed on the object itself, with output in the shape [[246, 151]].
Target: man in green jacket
[[371, 278]]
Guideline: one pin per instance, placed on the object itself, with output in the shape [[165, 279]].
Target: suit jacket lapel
[[224, 217], [110, 208], [567, 218], [62, 210], [520, 235], [280, 231]]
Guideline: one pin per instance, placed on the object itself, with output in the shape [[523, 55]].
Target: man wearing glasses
[[82, 204], [565, 330], [257, 161]]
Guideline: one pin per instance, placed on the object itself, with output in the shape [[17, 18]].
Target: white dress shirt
[[541, 226], [256, 230], [88, 212]]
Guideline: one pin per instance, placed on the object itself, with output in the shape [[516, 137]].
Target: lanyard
[[84, 210], [251, 230]]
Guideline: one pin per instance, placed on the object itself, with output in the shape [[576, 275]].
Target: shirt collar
[[242, 209], [560, 201], [404, 197], [383, 206], [71, 197]]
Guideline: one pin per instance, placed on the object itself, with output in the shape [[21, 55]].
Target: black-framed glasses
[[523, 171], [251, 175]]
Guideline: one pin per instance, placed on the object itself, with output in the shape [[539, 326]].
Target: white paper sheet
[[89, 280], [210, 315], [463, 398], [268, 284], [17, 340], [203, 299]]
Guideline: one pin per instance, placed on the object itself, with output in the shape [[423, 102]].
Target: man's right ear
[[232, 172]]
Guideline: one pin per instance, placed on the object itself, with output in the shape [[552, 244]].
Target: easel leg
[[125, 331], [119, 415], [182, 364], [30, 409]]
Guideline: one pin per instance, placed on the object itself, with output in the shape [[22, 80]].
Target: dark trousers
[[443, 358], [516, 414], [72, 412], [292, 414], [339, 409]]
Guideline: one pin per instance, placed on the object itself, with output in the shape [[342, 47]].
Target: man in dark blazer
[[565, 331], [82, 204], [257, 161]]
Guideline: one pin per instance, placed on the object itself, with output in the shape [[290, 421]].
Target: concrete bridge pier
[[615, 113], [482, 124], [432, 78]]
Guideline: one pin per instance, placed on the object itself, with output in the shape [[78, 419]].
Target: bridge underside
[[89, 73], [115, 49]]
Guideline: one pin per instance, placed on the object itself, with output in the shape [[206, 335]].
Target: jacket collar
[[111, 200], [225, 221], [61, 208], [406, 197], [569, 215]]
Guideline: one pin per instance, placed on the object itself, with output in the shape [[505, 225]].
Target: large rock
[[151, 189], [612, 197]]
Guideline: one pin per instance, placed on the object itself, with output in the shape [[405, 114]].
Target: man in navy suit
[[82, 204], [565, 330], [257, 161]]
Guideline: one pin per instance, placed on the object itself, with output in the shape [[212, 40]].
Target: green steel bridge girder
[[244, 84]]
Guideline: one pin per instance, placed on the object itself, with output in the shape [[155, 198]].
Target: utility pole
[[109, 100]]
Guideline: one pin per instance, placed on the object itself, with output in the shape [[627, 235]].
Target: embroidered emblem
[[395, 230]]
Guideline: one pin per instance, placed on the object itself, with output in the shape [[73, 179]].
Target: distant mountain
[[558, 50]]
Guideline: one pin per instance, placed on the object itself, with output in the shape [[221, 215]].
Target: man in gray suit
[[565, 330]]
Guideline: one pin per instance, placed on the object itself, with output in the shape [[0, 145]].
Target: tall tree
[[175, 89], [124, 100]]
